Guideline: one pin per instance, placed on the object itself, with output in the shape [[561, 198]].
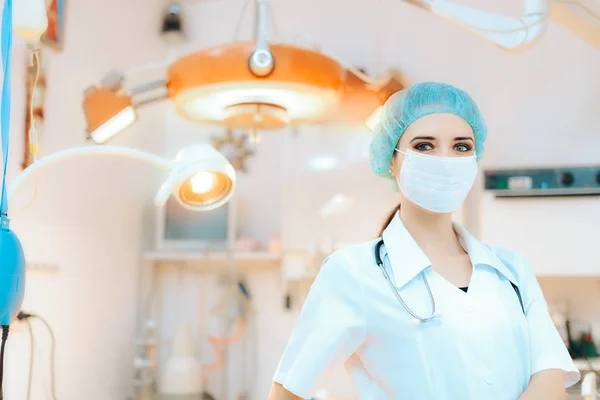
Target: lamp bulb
[[203, 182]]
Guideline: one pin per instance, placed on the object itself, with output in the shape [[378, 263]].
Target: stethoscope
[[379, 262], [428, 318]]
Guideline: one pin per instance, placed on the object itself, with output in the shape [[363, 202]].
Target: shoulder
[[504, 254], [514, 261], [349, 262]]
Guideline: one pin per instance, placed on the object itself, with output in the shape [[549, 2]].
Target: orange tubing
[[219, 342]]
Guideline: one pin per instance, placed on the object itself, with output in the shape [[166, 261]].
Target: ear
[[393, 166]]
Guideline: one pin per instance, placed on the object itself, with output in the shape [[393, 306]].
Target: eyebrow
[[432, 138], [422, 138]]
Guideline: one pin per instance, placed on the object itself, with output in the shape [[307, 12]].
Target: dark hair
[[389, 219]]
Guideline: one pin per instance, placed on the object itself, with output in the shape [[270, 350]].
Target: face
[[443, 135]]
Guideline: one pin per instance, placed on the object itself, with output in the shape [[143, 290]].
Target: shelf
[[213, 261]]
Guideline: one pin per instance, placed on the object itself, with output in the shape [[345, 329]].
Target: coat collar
[[408, 260]]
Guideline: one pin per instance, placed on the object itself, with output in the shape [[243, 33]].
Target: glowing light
[[301, 102], [114, 125], [203, 182]]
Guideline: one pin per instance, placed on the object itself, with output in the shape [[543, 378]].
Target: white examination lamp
[[201, 178], [507, 32]]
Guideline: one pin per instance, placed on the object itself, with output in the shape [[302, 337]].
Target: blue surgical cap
[[405, 107]]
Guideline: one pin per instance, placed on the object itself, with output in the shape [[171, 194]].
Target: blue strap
[[5, 101]]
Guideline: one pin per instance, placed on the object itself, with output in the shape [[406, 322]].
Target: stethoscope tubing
[[387, 277]]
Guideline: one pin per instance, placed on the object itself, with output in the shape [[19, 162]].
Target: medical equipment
[[179, 228], [514, 34], [433, 314], [540, 182], [24, 316], [507, 32], [379, 263], [30, 20], [200, 178], [12, 259], [581, 345], [253, 86]]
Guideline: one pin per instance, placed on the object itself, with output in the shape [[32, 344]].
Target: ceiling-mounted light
[[261, 62], [261, 86], [200, 177], [509, 33], [360, 104], [216, 86], [107, 113]]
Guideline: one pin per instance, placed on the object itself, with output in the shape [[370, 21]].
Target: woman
[[442, 316]]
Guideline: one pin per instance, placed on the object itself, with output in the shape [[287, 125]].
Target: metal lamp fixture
[[507, 32], [515, 34], [107, 112], [200, 177], [245, 85]]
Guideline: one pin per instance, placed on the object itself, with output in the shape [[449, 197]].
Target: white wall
[[546, 116], [541, 108]]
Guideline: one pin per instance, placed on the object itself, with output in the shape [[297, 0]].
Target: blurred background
[[141, 302]]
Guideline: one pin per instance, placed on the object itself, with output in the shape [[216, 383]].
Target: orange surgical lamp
[[246, 85]]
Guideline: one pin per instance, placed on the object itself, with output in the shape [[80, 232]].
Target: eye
[[423, 146], [462, 147]]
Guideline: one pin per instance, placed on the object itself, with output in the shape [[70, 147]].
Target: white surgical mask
[[438, 184]]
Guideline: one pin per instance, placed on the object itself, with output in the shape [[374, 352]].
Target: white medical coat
[[481, 346]]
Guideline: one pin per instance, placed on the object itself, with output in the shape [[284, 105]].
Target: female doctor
[[427, 311]]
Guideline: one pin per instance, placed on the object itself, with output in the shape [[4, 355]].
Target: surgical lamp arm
[[261, 25], [115, 80], [84, 151], [261, 61], [146, 87], [507, 32]]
